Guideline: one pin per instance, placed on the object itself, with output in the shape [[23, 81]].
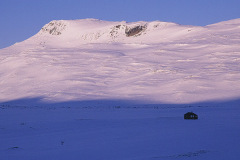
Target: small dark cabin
[[190, 115]]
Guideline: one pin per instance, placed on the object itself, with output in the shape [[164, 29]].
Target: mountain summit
[[96, 31], [153, 61]]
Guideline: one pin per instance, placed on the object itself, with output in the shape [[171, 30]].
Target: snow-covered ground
[[91, 89], [128, 132], [92, 59]]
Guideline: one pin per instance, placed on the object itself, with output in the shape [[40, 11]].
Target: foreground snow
[[134, 132]]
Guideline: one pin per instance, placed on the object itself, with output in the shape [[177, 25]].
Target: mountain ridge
[[152, 61]]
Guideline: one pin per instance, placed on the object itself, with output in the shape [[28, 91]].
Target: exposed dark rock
[[118, 26], [54, 28], [116, 30], [134, 31]]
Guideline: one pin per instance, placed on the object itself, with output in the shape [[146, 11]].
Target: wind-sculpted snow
[[152, 61]]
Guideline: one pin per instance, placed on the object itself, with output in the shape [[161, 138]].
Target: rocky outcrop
[[127, 31], [117, 30], [54, 28], [135, 31]]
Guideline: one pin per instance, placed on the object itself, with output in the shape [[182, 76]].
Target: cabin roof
[[190, 113]]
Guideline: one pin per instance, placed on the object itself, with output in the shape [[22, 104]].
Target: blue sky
[[21, 19]]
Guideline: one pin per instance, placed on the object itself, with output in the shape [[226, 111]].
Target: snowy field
[[97, 90], [127, 132]]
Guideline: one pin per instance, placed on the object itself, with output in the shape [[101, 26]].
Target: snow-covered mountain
[[74, 60]]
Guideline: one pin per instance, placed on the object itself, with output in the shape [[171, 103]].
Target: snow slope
[[97, 90], [157, 62]]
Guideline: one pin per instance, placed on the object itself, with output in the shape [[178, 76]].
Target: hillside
[[156, 62], [97, 90]]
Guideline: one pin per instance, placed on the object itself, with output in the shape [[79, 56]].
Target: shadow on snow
[[38, 102]]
